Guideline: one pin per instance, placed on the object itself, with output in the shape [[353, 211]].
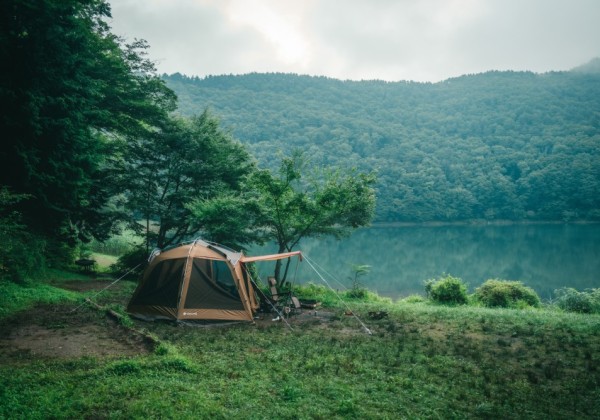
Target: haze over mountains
[[497, 145]]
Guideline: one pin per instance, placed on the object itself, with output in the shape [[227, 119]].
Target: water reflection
[[545, 257]]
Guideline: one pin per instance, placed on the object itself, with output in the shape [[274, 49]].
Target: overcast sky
[[420, 40]]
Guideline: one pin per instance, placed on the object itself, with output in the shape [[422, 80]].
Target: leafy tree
[[287, 206], [330, 203], [234, 219], [162, 173], [67, 87]]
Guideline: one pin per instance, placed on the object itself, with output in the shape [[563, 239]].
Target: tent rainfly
[[198, 280]]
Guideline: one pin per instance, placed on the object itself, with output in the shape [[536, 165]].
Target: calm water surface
[[544, 257]]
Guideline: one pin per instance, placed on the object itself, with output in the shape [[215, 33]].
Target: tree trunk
[[277, 273]]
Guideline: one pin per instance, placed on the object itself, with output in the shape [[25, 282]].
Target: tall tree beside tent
[[186, 160], [289, 205], [328, 203]]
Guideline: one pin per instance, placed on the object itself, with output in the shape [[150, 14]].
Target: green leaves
[[174, 173], [286, 206], [327, 203], [324, 203], [69, 87], [234, 220]]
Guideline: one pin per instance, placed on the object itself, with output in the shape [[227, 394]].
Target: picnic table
[[87, 264]]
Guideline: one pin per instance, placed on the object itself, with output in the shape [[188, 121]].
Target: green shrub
[[22, 257], [506, 294], [357, 293], [322, 293], [586, 302], [447, 290], [131, 264], [22, 253]]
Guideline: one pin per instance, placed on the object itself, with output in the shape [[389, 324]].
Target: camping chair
[[289, 303], [280, 299], [272, 301], [296, 305], [282, 302], [276, 295]]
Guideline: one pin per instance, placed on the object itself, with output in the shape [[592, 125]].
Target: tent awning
[[271, 257]]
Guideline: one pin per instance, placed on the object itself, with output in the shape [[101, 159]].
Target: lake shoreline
[[544, 256], [482, 222]]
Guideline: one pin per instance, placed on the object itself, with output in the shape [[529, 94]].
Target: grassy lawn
[[104, 261], [422, 361]]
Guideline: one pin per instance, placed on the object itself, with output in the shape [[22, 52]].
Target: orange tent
[[198, 280]]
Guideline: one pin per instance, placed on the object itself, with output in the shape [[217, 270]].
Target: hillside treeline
[[498, 145]]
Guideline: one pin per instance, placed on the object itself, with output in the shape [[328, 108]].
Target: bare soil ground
[[66, 331], [78, 330]]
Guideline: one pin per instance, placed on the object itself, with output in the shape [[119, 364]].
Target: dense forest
[[498, 145], [92, 146]]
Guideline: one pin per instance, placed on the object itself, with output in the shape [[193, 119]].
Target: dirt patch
[[86, 286], [310, 317], [50, 331], [39, 341], [78, 329]]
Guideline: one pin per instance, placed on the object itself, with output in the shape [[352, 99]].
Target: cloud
[[531, 35], [392, 39], [192, 37], [427, 40]]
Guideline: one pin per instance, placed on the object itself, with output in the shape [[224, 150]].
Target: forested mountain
[[498, 145]]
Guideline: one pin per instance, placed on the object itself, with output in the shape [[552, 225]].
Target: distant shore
[[483, 222]]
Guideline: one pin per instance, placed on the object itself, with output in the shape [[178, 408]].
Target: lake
[[543, 256]]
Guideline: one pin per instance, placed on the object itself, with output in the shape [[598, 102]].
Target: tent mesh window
[[211, 286], [162, 286]]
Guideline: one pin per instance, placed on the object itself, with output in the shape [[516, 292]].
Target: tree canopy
[[330, 204], [159, 175], [290, 204], [68, 86]]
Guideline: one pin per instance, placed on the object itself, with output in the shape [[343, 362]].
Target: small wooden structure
[[86, 264]]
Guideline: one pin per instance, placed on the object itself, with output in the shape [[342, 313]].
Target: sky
[[392, 40]]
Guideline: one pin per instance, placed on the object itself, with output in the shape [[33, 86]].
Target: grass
[[19, 297], [422, 361], [104, 261], [117, 245]]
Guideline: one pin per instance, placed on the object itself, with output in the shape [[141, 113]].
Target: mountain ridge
[[494, 145]]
